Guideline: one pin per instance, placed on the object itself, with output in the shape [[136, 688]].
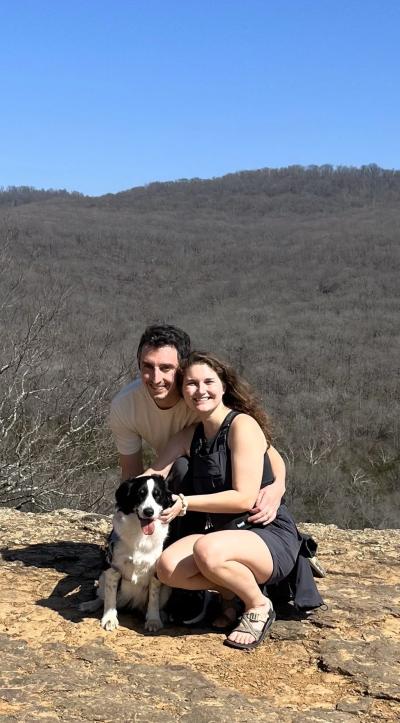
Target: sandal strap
[[245, 625], [257, 617]]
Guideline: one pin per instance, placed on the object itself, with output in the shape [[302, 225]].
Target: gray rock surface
[[340, 665]]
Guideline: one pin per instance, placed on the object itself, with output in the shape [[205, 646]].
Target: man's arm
[[131, 465], [122, 424], [269, 498]]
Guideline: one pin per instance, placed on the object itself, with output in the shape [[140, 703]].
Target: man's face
[[158, 369]]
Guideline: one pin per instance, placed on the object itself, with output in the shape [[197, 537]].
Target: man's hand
[[266, 507], [269, 498]]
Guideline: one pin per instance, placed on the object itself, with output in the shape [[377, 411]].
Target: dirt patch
[[59, 665]]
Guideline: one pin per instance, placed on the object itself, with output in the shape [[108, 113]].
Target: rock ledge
[[339, 665]]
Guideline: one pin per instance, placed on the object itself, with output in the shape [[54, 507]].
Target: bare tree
[[55, 448]]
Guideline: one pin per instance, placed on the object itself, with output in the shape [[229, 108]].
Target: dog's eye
[[157, 495]]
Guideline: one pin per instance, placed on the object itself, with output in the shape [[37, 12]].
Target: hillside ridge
[[291, 275]]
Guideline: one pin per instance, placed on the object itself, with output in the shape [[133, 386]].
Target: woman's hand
[[170, 513]]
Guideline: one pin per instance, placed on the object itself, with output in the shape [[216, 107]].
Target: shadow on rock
[[82, 564]]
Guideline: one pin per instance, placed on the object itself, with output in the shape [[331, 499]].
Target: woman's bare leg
[[225, 560], [177, 568], [237, 561]]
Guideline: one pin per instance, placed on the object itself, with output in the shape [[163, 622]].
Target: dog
[[136, 545]]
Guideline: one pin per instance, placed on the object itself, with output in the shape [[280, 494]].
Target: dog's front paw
[[153, 624], [109, 621]]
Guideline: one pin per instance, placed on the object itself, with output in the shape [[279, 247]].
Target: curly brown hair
[[238, 393]]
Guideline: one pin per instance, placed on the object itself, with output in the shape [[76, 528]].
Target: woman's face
[[202, 388]]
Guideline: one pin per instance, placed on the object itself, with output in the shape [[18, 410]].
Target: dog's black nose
[[148, 512]]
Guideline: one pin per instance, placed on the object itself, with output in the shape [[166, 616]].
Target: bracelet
[[184, 505]]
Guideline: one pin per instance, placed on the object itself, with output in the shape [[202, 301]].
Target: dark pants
[[179, 480]]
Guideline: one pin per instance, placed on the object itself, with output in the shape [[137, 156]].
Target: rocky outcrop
[[341, 664]]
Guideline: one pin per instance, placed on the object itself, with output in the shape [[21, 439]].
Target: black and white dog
[[137, 543]]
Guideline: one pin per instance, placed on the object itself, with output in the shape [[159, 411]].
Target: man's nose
[[202, 388], [157, 376]]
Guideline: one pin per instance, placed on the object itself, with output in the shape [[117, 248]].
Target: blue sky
[[102, 96]]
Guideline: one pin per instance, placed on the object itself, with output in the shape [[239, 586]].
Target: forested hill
[[277, 191], [284, 190], [290, 273]]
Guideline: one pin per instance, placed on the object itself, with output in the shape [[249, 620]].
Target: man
[[151, 409]]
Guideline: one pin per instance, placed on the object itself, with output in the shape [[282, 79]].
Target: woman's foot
[[253, 627], [230, 609]]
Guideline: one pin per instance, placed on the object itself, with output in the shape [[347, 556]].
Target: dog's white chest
[[138, 569]]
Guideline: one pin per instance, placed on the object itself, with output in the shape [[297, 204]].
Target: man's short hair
[[158, 335]]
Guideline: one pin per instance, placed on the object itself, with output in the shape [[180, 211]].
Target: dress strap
[[197, 438], [219, 441], [222, 435], [225, 426]]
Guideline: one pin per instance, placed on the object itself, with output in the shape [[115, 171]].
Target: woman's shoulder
[[243, 425]]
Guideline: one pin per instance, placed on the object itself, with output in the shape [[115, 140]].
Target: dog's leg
[[153, 619], [91, 605], [109, 621], [165, 595]]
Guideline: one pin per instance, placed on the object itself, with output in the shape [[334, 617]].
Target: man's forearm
[[278, 487], [269, 498], [131, 465]]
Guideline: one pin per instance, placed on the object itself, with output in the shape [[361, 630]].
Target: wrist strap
[[184, 505]]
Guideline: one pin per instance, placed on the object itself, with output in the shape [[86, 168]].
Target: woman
[[229, 464]]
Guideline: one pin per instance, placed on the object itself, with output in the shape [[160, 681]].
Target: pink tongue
[[147, 526]]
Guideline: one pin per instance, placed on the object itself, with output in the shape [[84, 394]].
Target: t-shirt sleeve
[[127, 440]]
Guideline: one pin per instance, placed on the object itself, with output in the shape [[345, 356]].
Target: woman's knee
[[165, 568], [207, 553]]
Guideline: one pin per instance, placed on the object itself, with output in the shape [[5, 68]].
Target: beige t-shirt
[[134, 417]]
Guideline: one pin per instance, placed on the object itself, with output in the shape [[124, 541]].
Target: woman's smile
[[202, 388]]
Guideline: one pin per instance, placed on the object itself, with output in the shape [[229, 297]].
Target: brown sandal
[[245, 626]]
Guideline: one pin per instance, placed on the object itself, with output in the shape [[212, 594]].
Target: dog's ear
[[123, 493], [168, 501]]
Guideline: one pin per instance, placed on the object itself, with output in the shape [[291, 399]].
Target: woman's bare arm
[[247, 444]]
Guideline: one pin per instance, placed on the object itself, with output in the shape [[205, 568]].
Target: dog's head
[[146, 497]]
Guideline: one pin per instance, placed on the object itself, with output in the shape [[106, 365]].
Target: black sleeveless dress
[[211, 471]]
